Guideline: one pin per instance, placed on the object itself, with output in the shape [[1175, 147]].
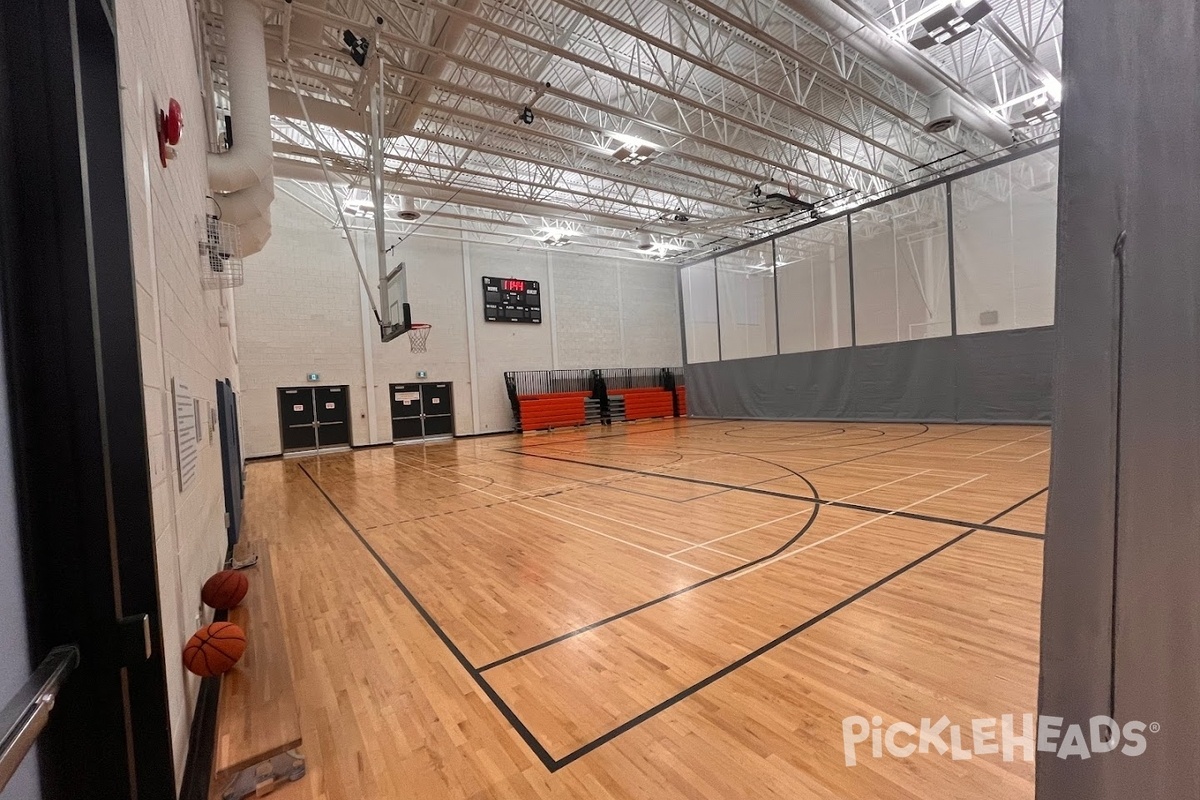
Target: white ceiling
[[824, 100]]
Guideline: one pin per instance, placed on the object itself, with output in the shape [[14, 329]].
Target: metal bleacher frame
[[603, 387]]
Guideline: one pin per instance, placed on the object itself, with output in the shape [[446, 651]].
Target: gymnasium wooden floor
[[672, 609]]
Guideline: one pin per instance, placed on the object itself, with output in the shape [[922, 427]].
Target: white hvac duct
[[253, 236], [243, 175], [896, 58], [408, 209]]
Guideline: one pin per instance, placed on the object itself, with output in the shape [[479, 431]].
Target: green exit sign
[[312, 376], [422, 373]]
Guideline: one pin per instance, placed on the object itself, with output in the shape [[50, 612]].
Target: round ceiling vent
[[941, 114]]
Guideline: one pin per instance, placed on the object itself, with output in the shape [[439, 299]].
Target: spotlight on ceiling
[[635, 154], [555, 237], [949, 25], [1038, 115]]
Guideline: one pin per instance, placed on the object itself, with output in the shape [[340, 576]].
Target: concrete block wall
[[182, 337], [298, 315], [596, 313]]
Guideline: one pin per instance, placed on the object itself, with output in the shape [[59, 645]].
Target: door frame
[[349, 415], [317, 430], [424, 436], [79, 431], [426, 415]]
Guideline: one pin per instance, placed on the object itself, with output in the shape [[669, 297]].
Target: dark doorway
[[231, 459], [422, 410], [312, 417], [80, 522], [333, 416]]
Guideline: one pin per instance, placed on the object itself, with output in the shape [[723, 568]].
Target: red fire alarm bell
[[170, 128]]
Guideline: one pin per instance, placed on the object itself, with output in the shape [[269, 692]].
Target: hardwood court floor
[[673, 609]]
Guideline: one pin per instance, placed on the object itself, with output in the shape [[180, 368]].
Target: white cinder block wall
[[302, 310], [181, 334]]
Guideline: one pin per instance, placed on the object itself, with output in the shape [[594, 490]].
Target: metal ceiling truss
[[730, 93]]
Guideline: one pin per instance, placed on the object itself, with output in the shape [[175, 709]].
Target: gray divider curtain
[[991, 377]]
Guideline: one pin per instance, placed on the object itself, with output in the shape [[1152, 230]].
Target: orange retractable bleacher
[[681, 399], [554, 410], [648, 403]]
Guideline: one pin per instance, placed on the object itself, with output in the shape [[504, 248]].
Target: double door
[[312, 417], [422, 410]]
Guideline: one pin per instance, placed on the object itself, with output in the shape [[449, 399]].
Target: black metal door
[[437, 404], [333, 415], [297, 419], [406, 411]]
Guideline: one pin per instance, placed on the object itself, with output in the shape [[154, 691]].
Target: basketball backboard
[[396, 316]]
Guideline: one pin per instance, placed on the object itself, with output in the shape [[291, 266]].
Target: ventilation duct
[[941, 113], [896, 57], [242, 176], [408, 209]]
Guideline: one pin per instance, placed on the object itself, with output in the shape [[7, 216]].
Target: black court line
[[634, 432], [912, 515], [527, 735], [549, 762], [751, 487], [812, 518], [769, 646]]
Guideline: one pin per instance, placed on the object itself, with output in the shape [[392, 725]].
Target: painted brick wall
[[300, 313], [179, 323], [587, 313], [596, 312]]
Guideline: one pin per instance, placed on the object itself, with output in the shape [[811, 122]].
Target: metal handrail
[[24, 717]]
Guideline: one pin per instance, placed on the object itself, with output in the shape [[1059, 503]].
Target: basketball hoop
[[418, 335]]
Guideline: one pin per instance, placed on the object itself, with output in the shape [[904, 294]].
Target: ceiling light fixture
[[556, 237], [925, 13], [1054, 88], [1038, 115], [635, 155], [948, 25], [1036, 94]]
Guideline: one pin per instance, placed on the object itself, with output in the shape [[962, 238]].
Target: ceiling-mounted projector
[[408, 209]]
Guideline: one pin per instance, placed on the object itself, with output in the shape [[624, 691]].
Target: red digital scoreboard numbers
[[512, 300]]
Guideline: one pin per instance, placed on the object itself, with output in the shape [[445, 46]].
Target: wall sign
[[512, 300], [313, 377], [185, 433]]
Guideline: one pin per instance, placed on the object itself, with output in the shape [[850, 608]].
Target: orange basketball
[[214, 649], [225, 589]]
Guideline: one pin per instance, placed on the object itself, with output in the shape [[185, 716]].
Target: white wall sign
[[185, 433]]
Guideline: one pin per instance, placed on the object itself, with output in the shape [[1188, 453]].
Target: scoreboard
[[512, 300]]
